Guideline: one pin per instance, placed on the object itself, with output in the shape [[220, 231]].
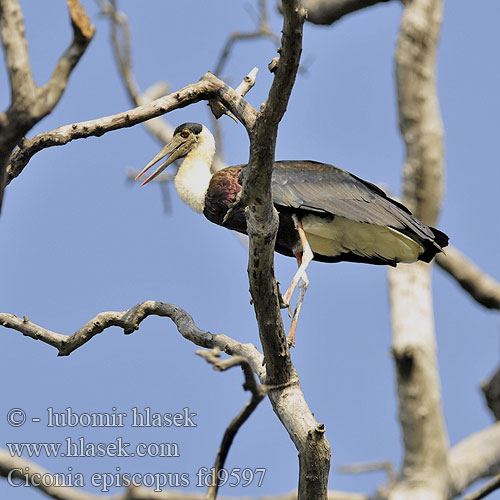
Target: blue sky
[[79, 239]]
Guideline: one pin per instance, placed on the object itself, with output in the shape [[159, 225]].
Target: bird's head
[[187, 137]]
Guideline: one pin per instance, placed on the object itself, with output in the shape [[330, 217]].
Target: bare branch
[[361, 467], [418, 105], [288, 400], [424, 471], [209, 87], [419, 392], [121, 44], [22, 84], [218, 109], [473, 280], [258, 394], [130, 320], [83, 31], [330, 11], [475, 457], [247, 83], [14, 468]]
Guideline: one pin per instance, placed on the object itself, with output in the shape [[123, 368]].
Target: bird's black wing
[[319, 187]]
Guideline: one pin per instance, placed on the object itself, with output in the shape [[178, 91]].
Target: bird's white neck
[[193, 177]]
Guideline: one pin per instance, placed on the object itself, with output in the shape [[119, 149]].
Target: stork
[[325, 213]]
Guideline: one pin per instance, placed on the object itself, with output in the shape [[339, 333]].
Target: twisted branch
[[129, 321]]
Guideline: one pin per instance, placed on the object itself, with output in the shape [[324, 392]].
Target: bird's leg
[[286, 304], [306, 258], [303, 279], [304, 283]]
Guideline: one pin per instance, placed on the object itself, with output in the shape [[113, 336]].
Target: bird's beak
[[176, 148]]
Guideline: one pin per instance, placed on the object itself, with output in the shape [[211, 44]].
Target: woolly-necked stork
[[325, 213]]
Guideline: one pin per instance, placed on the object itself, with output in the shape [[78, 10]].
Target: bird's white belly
[[340, 235]]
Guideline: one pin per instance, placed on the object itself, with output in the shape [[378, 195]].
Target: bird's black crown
[[195, 128]]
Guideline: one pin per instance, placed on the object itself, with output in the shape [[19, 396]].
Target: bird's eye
[[185, 133]]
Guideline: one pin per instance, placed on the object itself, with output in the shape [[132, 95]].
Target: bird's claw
[[234, 204]]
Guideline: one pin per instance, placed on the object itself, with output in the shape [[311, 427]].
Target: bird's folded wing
[[319, 187]]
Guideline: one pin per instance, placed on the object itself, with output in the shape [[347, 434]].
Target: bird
[[325, 213]]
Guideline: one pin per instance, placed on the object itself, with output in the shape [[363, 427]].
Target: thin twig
[[361, 467], [483, 288], [218, 109], [263, 30], [258, 394]]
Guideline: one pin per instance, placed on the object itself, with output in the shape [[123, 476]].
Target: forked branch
[[208, 87]]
